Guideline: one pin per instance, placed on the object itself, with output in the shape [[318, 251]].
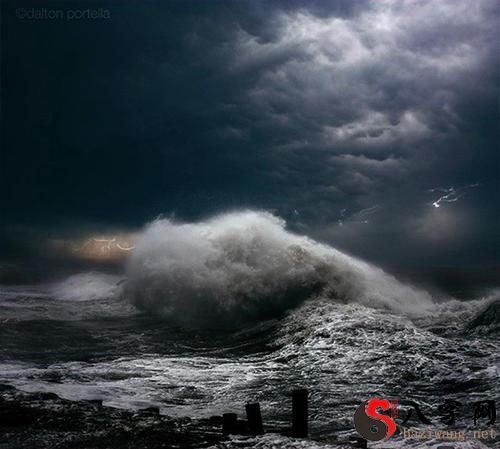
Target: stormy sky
[[371, 125]]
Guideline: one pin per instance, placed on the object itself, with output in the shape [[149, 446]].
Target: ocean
[[207, 317]]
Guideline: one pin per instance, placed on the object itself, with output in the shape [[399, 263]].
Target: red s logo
[[371, 424]]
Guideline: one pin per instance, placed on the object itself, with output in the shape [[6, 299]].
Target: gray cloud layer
[[320, 111]]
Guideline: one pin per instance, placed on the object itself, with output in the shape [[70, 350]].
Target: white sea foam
[[245, 265], [86, 287]]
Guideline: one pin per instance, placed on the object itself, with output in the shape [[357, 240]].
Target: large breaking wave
[[245, 265]]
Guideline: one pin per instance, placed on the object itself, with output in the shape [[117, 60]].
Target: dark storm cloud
[[317, 110]]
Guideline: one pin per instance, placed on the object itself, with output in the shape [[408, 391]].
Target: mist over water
[[210, 315]]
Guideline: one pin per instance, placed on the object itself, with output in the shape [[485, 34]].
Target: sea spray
[[245, 266]]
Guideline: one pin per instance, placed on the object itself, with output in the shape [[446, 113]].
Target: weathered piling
[[254, 418], [299, 413], [229, 422]]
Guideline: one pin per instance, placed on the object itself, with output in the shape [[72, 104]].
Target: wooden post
[[363, 444], [254, 418], [299, 413], [229, 422]]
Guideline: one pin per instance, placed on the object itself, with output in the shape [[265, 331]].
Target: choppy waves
[[87, 287], [343, 328]]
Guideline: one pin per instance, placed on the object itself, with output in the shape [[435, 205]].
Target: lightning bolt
[[125, 248], [108, 245], [450, 194]]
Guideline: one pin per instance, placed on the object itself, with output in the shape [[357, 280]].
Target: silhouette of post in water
[[229, 422], [254, 418], [299, 413]]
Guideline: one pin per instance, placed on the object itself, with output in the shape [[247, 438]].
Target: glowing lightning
[[107, 245], [124, 248], [450, 194], [108, 242]]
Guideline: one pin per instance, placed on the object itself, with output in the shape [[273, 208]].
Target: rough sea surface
[[212, 315]]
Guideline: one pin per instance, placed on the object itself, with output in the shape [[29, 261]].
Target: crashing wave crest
[[488, 319], [245, 265], [89, 286]]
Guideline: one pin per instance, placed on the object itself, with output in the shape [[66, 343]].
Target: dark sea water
[[201, 328]]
